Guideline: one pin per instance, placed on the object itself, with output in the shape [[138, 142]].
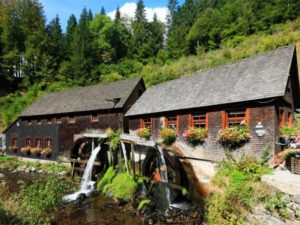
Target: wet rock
[[81, 196], [110, 205], [27, 170], [149, 220], [40, 171], [133, 213], [2, 175], [32, 169]]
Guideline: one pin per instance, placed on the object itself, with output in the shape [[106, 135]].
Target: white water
[[86, 185], [125, 155], [164, 174]]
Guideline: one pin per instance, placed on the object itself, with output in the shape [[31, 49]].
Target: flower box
[[144, 133], [195, 135], [13, 149], [168, 135], [25, 150], [47, 152], [234, 137]]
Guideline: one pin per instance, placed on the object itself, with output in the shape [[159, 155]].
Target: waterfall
[[86, 185], [164, 174], [125, 155]]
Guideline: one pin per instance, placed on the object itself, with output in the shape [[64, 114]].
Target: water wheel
[[175, 171], [80, 153]]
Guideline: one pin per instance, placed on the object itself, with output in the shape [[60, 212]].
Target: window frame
[[226, 119], [71, 119], [45, 142], [192, 121], [35, 142], [30, 142], [167, 122], [94, 118], [29, 122], [143, 123], [15, 142]]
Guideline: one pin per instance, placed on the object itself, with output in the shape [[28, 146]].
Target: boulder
[[27, 170], [32, 169], [2, 175]]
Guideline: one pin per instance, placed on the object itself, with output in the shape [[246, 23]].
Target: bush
[[234, 137], [277, 203], [239, 189], [39, 200], [113, 138], [195, 136], [168, 135]]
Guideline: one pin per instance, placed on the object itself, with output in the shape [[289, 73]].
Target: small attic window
[[29, 122], [39, 121], [94, 118], [72, 119]]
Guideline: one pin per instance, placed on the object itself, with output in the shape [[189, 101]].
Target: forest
[[38, 57]]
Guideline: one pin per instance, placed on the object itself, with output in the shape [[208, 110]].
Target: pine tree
[[157, 35], [118, 14], [140, 14], [102, 11], [71, 28]]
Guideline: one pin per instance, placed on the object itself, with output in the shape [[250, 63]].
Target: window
[[94, 118], [58, 120], [147, 123], [39, 121], [199, 120], [49, 121], [38, 143], [29, 122], [72, 119], [48, 142], [14, 142], [235, 117], [171, 122], [28, 142]]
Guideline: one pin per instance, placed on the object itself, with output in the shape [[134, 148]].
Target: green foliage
[[240, 189], [287, 131], [107, 178], [143, 203], [39, 200], [119, 185], [277, 203], [144, 133], [168, 135], [234, 137], [114, 138], [195, 135]]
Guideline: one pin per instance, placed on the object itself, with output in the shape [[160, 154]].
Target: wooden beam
[[133, 159]]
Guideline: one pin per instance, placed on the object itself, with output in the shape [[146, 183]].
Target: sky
[[64, 8]]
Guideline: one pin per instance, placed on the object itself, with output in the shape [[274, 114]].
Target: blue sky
[[64, 8]]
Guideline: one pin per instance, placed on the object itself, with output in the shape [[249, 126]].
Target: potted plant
[[234, 137], [144, 133], [25, 150], [288, 135], [32, 151], [195, 135], [168, 135], [46, 152], [38, 151], [13, 149]]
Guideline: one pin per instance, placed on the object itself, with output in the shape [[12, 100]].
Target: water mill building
[[57, 119], [261, 91]]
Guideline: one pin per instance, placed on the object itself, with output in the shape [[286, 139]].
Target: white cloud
[[128, 10]]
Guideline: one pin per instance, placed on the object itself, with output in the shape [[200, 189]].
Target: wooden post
[[133, 159]]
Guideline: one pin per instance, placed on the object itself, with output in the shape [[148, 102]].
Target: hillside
[[154, 73]]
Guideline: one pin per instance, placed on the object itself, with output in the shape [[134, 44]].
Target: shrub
[[239, 189], [13, 149], [113, 138], [277, 203], [234, 137], [195, 136], [39, 200], [144, 133], [289, 133], [168, 135], [38, 151]]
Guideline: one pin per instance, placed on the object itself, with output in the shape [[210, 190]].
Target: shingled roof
[[83, 99], [259, 77]]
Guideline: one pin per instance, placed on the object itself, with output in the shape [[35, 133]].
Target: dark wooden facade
[[64, 129]]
